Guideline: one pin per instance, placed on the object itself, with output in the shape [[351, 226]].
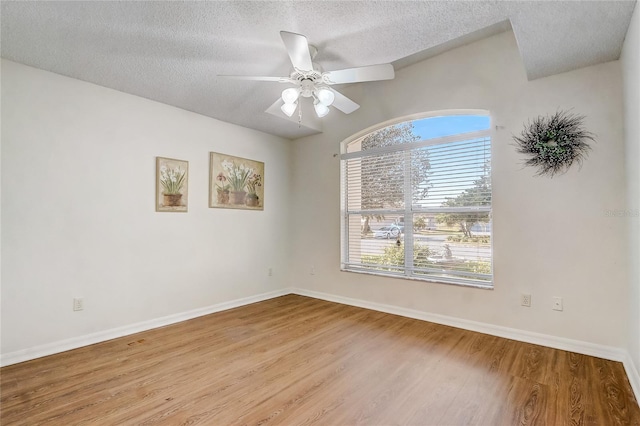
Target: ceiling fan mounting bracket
[[301, 75], [307, 81]]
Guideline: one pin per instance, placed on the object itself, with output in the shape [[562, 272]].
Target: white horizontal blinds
[[454, 168], [375, 182], [449, 205], [377, 250], [374, 189], [456, 201], [450, 253]]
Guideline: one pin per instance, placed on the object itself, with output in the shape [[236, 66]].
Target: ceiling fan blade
[[343, 103], [257, 78], [356, 75], [298, 50]]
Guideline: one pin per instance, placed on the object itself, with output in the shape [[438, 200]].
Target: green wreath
[[554, 143]]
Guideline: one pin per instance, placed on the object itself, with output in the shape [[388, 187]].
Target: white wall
[[631, 71], [78, 219], [78, 211], [551, 236]]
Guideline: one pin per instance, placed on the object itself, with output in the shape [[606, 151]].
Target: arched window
[[416, 199]]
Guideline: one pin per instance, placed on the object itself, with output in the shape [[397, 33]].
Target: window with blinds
[[416, 200]]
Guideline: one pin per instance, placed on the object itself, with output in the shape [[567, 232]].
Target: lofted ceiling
[[173, 52]]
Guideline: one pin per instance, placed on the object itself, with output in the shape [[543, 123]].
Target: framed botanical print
[[235, 183], [172, 185]]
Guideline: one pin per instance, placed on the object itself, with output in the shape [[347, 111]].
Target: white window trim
[[403, 273], [412, 117]]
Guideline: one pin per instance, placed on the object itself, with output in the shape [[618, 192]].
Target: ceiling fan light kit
[[311, 82], [325, 96], [321, 109], [289, 109], [290, 95]]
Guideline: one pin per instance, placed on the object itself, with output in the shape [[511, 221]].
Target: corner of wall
[[630, 59]]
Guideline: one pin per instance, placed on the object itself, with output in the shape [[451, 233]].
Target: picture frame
[[235, 182], [172, 185]]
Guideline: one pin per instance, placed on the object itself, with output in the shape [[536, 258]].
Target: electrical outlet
[[270, 272], [78, 303], [312, 271], [557, 303], [525, 299]]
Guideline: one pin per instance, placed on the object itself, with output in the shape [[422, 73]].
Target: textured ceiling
[[172, 52]]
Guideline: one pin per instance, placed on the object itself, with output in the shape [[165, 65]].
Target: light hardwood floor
[[295, 360]]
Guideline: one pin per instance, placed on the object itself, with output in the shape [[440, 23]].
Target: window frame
[[408, 210]]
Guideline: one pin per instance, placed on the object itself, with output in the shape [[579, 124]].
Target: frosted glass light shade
[[325, 96], [290, 95], [289, 109], [321, 110]]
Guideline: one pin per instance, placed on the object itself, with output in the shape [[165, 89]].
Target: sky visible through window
[[436, 127], [442, 186]]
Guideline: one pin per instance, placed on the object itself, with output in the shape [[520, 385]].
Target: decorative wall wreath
[[554, 143]]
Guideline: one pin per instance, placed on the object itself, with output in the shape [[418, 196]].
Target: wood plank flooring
[[295, 360]]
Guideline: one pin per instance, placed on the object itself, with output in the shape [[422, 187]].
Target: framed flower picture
[[235, 183], [172, 185]]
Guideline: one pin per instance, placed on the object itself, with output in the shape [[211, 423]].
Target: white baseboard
[[101, 336], [586, 348], [577, 346], [633, 375]]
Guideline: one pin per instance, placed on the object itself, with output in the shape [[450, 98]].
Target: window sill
[[488, 286]]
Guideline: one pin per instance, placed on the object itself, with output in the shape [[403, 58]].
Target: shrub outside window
[[416, 200]]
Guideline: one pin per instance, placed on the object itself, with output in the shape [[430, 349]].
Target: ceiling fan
[[310, 81]]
